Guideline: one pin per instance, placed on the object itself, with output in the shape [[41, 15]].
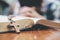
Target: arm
[[49, 23]]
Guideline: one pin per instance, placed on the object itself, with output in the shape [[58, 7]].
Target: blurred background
[[47, 8]]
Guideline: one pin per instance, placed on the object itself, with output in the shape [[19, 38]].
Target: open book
[[24, 22]]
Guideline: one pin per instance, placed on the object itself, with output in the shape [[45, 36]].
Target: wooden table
[[32, 35]]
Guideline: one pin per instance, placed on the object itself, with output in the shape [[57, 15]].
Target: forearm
[[49, 23]]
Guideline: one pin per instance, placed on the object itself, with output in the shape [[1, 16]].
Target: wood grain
[[32, 35]]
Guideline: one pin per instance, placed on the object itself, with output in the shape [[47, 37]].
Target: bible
[[21, 23]]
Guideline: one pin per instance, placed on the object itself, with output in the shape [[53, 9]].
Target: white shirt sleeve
[[17, 7]]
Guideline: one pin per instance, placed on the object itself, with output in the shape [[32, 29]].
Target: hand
[[29, 12]]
